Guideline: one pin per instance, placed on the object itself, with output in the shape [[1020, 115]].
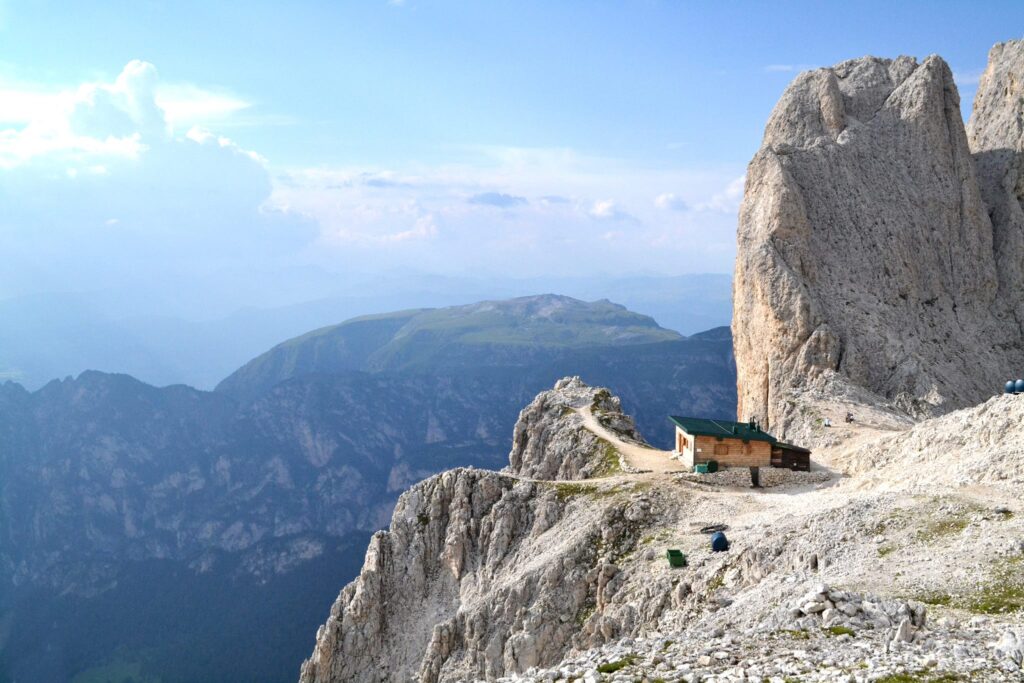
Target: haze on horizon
[[188, 159]]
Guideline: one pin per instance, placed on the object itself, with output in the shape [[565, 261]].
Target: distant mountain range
[[186, 514], [47, 336]]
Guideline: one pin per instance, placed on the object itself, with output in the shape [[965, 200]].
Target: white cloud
[[183, 104], [100, 190], [186, 105], [968, 77], [557, 195], [604, 209], [726, 200], [670, 201]]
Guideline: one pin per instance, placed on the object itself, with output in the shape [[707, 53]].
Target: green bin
[[712, 465], [701, 468], [676, 558]]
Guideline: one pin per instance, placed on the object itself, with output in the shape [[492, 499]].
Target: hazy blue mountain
[[198, 339], [517, 332], [146, 529]]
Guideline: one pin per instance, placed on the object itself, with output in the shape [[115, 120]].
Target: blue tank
[[1010, 386], [1018, 386], [719, 542]]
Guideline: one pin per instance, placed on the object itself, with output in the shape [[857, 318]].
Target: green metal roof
[[699, 426]]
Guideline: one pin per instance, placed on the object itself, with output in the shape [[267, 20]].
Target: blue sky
[[143, 141]]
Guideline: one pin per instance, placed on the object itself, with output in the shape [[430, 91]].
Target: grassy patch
[[584, 614], [937, 598], [609, 458], [659, 536], [716, 582], [939, 528], [796, 634], [839, 631], [612, 667], [885, 550], [921, 677], [565, 491], [1004, 592]]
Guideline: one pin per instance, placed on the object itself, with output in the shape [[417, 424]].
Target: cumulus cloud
[[186, 105], [608, 210], [670, 201], [557, 195], [498, 199], [604, 208], [182, 105], [101, 191], [726, 200]]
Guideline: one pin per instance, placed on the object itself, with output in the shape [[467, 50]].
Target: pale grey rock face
[[479, 574], [996, 135], [865, 257], [550, 442]]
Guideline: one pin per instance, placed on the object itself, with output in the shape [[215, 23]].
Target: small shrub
[[840, 630], [612, 667], [800, 634]]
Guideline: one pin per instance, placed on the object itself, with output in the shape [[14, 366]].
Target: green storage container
[[701, 468], [712, 465], [676, 558]]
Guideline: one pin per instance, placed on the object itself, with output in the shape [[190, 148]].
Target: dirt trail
[[640, 457]]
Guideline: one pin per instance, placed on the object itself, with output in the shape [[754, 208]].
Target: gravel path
[[637, 456]]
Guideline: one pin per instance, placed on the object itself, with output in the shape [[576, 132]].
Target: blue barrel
[[1010, 386], [1018, 386], [719, 542]]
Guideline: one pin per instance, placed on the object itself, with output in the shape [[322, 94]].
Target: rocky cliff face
[[430, 600], [482, 573], [491, 576], [996, 136], [550, 442], [866, 253]]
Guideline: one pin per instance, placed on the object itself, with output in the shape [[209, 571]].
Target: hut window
[[721, 449]]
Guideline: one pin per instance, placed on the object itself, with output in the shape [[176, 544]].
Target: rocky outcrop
[[866, 267], [980, 445], [479, 574], [550, 441], [492, 576], [996, 136]]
